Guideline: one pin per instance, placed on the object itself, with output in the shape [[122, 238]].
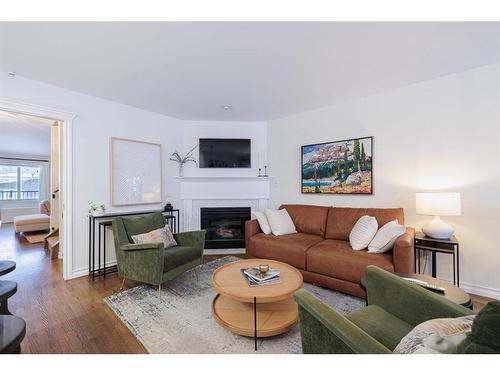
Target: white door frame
[[66, 169]]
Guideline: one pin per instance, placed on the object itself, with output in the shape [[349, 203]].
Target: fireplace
[[225, 226]]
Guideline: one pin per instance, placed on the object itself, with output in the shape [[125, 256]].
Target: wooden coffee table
[[259, 311]]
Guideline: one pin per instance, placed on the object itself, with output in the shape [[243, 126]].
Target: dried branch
[[188, 158]]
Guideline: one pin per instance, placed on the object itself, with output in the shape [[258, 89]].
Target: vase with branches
[[181, 160]]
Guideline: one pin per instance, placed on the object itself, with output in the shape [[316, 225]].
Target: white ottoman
[[31, 223]]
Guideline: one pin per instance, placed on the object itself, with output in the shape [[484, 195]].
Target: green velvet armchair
[[151, 263], [395, 307]]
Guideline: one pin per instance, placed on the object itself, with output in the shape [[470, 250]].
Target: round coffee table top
[[7, 266], [229, 282], [451, 292]]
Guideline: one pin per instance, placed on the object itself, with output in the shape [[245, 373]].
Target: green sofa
[[394, 308], [151, 263]]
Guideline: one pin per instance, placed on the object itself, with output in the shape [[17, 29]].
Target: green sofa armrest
[[410, 303], [142, 246], [194, 238], [323, 330]]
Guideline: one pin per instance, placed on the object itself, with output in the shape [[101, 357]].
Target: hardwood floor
[[70, 316], [62, 316]]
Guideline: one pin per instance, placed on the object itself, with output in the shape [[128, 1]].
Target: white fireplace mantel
[[228, 191], [223, 178]]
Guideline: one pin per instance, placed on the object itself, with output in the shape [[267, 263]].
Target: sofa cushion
[[336, 258], [363, 232], [280, 222], [341, 220], [289, 248], [308, 218], [381, 325], [179, 255], [31, 219], [162, 235]]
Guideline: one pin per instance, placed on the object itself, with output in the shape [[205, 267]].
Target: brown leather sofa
[[321, 250]]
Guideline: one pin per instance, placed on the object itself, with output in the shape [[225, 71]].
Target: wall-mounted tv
[[224, 153]]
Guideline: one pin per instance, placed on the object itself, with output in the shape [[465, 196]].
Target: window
[[19, 182]]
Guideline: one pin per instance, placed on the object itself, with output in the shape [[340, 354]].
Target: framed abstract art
[[136, 172]]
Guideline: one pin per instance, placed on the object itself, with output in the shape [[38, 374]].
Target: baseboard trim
[[480, 290], [80, 272]]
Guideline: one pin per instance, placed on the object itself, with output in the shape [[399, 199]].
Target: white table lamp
[[438, 204]]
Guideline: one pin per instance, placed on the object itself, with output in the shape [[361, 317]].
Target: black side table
[[434, 246]]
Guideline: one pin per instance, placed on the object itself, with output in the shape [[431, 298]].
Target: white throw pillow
[[385, 237], [363, 232], [263, 223], [280, 222]]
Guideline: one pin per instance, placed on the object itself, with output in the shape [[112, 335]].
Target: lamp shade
[[438, 204]]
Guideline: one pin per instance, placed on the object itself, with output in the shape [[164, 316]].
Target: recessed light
[[226, 107], [11, 74]]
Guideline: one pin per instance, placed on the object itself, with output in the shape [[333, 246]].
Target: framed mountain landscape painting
[[341, 167]]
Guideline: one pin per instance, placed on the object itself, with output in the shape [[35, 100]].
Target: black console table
[[449, 246], [105, 220]]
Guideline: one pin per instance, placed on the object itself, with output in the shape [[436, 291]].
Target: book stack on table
[[254, 277]]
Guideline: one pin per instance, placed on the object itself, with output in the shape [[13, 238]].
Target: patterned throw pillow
[[436, 336], [163, 235]]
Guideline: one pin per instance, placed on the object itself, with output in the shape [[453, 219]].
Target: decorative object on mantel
[[341, 167], [136, 172], [95, 208], [183, 160], [168, 207], [438, 204], [265, 172]]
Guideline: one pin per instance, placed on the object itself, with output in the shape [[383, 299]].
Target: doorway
[[60, 181]]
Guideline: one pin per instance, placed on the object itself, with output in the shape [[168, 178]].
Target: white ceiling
[[24, 135], [263, 70]]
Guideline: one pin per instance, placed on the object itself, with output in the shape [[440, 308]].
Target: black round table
[[451, 292], [7, 266], [12, 331]]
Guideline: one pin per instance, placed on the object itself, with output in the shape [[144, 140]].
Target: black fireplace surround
[[225, 226]]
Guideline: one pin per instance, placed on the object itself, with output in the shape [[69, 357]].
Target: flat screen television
[[224, 153]]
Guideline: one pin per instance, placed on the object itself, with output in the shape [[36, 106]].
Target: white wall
[[97, 120], [439, 135]]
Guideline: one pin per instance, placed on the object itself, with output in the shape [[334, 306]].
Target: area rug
[[35, 237], [182, 321]]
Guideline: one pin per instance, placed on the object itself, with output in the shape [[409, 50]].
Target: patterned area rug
[[182, 321]]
